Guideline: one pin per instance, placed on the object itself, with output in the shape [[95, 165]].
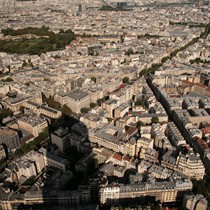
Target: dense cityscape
[[105, 104]]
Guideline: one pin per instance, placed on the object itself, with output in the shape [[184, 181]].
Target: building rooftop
[[77, 94]]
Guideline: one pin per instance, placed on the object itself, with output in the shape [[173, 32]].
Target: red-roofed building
[[200, 145], [206, 131], [199, 88], [122, 86], [125, 161], [207, 92], [187, 147], [126, 158], [117, 156], [200, 85], [187, 83], [131, 132], [187, 86]]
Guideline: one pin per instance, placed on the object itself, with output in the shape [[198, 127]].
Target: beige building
[[194, 202], [190, 165], [91, 120], [78, 99], [32, 124], [142, 145], [101, 154], [174, 135], [130, 148], [122, 122], [121, 110], [61, 97], [2, 152], [26, 168], [124, 95], [53, 160], [110, 105], [9, 137], [122, 160], [61, 137], [14, 104], [38, 158], [43, 110], [109, 137], [162, 191]]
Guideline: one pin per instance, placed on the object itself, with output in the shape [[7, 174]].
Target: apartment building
[[110, 105], [109, 137], [188, 164], [162, 191], [61, 137], [33, 124], [142, 145], [43, 110], [53, 160], [25, 168], [174, 135], [2, 152], [124, 95], [14, 103], [9, 137], [160, 140], [78, 99]]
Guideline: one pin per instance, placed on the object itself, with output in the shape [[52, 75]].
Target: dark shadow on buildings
[[67, 183]]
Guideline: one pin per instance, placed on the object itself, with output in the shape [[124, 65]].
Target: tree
[[47, 41], [5, 113], [93, 79], [8, 79], [202, 187], [99, 101], [105, 98], [140, 102], [96, 164], [143, 72], [29, 181], [155, 119], [129, 52], [27, 147], [126, 80], [92, 105], [24, 63], [164, 59], [61, 31], [18, 153], [84, 110]]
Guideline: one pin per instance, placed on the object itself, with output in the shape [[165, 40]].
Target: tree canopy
[[84, 110], [48, 41], [5, 113], [155, 119], [92, 105], [43, 31], [93, 79], [125, 80], [27, 147]]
